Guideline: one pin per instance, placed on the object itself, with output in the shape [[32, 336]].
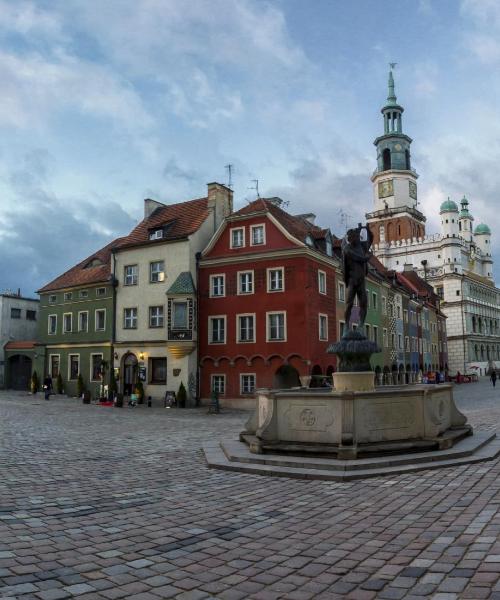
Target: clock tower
[[395, 215]]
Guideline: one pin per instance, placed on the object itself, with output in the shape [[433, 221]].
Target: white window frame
[[162, 316], [385, 338], [231, 237], [256, 226], [91, 358], [50, 363], [375, 333], [238, 332], [173, 324], [211, 284], [210, 319], [83, 312], [407, 344], [83, 294], [384, 305], [325, 317], [95, 319], [64, 323], [268, 326], [400, 341], [160, 274], [341, 329], [135, 278], [341, 291], [100, 291], [242, 391], [240, 293], [223, 375], [374, 300], [268, 278], [136, 316], [68, 296], [52, 299], [156, 234], [322, 275], [69, 366], [48, 325]]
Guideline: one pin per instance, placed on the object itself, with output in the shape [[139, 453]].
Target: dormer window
[[258, 235], [94, 262], [237, 237], [309, 241], [157, 234], [329, 249]]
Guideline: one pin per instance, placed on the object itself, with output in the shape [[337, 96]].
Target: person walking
[[47, 386], [493, 377]]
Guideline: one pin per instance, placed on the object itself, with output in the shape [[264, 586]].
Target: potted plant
[[59, 384], [113, 388], [139, 390], [80, 386], [181, 396], [35, 384]]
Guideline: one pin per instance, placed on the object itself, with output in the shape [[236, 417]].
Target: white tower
[[482, 237], [449, 218], [465, 221], [450, 248]]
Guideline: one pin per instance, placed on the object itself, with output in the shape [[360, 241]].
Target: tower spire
[[391, 96]]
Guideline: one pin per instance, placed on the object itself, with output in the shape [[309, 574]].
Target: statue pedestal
[[357, 381]]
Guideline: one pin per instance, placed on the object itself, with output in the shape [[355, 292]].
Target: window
[[31, 315], [384, 305], [73, 366], [258, 235], [130, 318], [367, 331], [384, 337], [247, 383], [156, 316], [52, 299], [217, 285], [374, 300], [131, 275], [100, 291], [219, 384], [245, 282], [156, 271], [67, 322], [54, 365], [217, 330], [245, 325], [100, 319], [276, 327], [52, 329], [83, 321], [341, 329], [400, 341], [275, 280], [84, 294], [398, 311], [323, 327], [68, 295], [15, 313], [237, 237], [393, 340], [180, 315], [322, 282], [405, 315], [158, 370], [341, 292], [95, 367], [375, 334], [407, 343], [157, 234]]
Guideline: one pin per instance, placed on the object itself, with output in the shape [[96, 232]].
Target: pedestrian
[[493, 377], [47, 386]]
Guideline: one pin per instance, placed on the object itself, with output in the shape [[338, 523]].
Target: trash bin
[[86, 397]]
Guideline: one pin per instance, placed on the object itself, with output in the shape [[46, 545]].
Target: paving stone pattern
[[118, 503]]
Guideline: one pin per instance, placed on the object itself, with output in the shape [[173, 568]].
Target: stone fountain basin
[[348, 423]]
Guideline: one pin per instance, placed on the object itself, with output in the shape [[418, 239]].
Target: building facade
[[267, 303], [18, 323], [457, 261]]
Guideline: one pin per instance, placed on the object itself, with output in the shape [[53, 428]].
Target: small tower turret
[[465, 220], [482, 237], [449, 218]]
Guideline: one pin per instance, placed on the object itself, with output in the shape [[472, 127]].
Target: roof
[[298, 226], [177, 220], [448, 206], [20, 345], [482, 228], [96, 268], [183, 284], [420, 285]]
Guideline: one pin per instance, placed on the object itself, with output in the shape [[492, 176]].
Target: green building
[[76, 324]]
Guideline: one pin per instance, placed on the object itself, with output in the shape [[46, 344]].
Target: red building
[[266, 303]]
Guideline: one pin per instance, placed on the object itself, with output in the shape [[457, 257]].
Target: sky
[[103, 104]]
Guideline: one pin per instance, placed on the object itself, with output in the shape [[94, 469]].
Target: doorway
[[19, 372], [130, 373]]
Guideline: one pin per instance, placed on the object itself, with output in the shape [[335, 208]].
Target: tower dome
[[482, 229], [448, 206]]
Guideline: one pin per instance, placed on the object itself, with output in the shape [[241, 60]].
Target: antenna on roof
[[229, 169], [255, 187], [344, 219]]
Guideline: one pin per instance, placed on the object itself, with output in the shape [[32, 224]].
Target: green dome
[[448, 206], [482, 228]]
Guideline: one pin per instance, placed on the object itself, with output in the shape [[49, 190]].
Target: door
[[19, 372], [130, 372]]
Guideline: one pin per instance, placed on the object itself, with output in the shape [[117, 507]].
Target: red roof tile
[[20, 345]]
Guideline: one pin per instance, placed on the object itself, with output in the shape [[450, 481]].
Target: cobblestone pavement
[[118, 503]]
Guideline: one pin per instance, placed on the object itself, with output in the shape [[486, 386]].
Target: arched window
[[474, 326], [407, 160], [381, 233], [386, 157]]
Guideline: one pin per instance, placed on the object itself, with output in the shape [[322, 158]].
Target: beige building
[[155, 271]]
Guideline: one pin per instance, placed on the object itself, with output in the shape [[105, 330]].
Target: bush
[[139, 390], [59, 384], [181, 396], [80, 386], [35, 384], [113, 388]]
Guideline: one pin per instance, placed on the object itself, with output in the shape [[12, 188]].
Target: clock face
[[413, 189], [385, 188], [398, 147]]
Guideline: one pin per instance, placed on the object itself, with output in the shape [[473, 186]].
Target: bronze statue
[[355, 256]]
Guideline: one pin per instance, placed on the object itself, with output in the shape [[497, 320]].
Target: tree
[[59, 384], [35, 384], [80, 386], [113, 388], [139, 390], [181, 396]]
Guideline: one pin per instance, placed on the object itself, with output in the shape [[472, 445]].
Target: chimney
[[220, 200], [408, 267], [150, 206]]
